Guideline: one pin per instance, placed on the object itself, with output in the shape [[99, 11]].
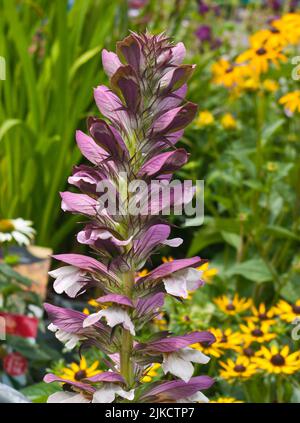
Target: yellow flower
[[160, 322], [274, 37], [143, 273], [151, 372], [207, 274], [278, 361], [241, 368], [233, 307], [212, 349], [227, 74], [93, 303], [230, 340], [272, 167], [261, 314], [247, 352], [289, 27], [270, 85], [204, 118], [287, 312], [256, 332], [228, 121], [167, 259], [226, 400], [225, 339], [76, 372], [291, 101], [260, 56]]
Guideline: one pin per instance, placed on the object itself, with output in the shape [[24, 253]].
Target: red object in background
[[14, 364], [19, 325]]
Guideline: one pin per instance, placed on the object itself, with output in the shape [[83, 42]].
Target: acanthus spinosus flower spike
[[144, 114]]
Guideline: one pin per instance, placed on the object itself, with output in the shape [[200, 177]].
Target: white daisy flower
[[18, 230]]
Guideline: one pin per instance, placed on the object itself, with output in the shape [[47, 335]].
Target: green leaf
[[232, 239], [270, 130], [281, 232], [10, 273], [255, 270], [40, 391]]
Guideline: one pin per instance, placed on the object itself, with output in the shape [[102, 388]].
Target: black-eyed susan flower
[[270, 85], [151, 372], [240, 368], [208, 273], [228, 121], [247, 352], [233, 306], [256, 332], [212, 349], [291, 101], [205, 118], [229, 340], [260, 56], [287, 312], [224, 400], [227, 74], [277, 361], [261, 314], [76, 372], [289, 27]]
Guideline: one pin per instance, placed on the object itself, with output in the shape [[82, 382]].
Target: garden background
[[244, 143]]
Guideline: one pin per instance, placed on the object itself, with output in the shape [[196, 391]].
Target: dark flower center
[[224, 339], [277, 360], [229, 70], [230, 307], [274, 30], [262, 316], [204, 344], [81, 374], [239, 368], [186, 318], [248, 352], [257, 333], [296, 309], [261, 51]]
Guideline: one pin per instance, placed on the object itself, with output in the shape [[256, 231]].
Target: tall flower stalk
[[144, 116]]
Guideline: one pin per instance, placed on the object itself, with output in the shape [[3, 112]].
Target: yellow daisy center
[[6, 225]]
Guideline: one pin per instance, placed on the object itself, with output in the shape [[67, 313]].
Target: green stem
[[126, 366]]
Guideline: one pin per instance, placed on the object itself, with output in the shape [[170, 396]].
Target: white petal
[[106, 394], [52, 327], [66, 397], [197, 397], [174, 364], [92, 319], [176, 285], [190, 354], [115, 316], [175, 242]]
